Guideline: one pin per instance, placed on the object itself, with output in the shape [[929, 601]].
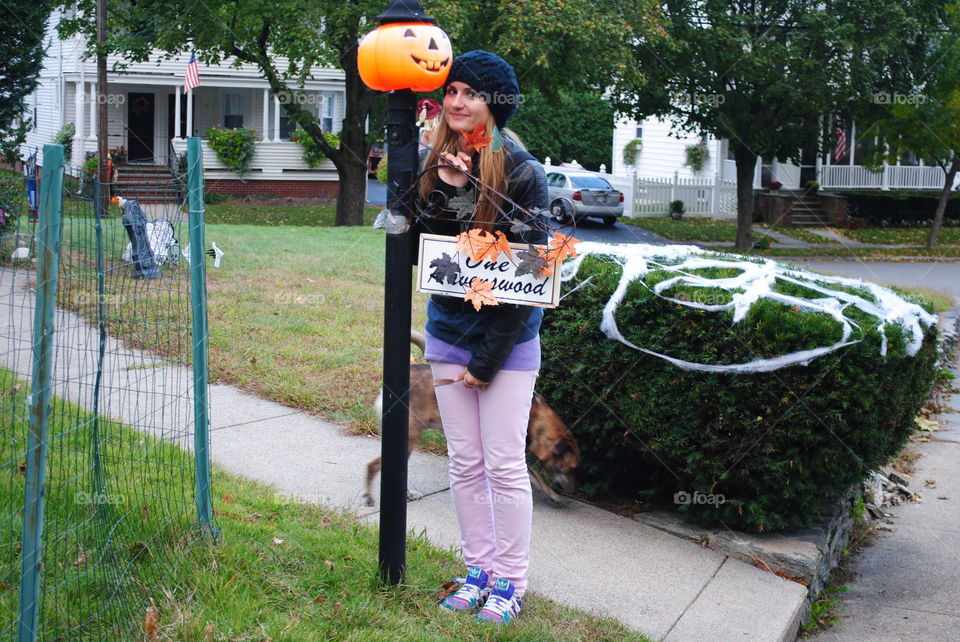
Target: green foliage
[[213, 198], [13, 203], [64, 136], [677, 206], [382, 170], [696, 156], [566, 126], [630, 151], [312, 153], [90, 167], [234, 147], [778, 446], [21, 59]]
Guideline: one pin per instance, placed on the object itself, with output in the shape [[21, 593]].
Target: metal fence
[[104, 450]]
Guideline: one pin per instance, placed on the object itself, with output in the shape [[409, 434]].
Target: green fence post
[[198, 303], [48, 263]]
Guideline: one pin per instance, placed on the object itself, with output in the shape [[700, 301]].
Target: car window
[[590, 182], [555, 180]]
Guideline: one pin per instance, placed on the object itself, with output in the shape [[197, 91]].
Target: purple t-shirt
[[524, 356]]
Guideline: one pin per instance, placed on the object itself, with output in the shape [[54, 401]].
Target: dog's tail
[[417, 339]]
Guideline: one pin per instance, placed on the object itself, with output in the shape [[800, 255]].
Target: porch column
[[176, 113], [80, 116], [93, 110], [852, 142], [266, 114], [189, 113], [276, 119]]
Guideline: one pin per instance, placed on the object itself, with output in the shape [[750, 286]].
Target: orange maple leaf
[[477, 138], [480, 293], [480, 244], [563, 247]]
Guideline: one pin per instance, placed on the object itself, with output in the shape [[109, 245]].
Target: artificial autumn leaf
[[480, 244], [532, 262], [151, 622], [476, 138], [446, 269], [465, 204], [480, 293], [563, 247], [517, 226]]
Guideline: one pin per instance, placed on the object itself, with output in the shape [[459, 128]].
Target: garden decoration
[[135, 224], [756, 281], [428, 114], [407, 51]]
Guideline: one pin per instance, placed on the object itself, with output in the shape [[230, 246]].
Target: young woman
[[492, 356]]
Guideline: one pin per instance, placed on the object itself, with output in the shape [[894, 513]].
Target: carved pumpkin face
[[405, 55]]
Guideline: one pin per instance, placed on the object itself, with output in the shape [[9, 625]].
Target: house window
[[287, 125], [328, 111], [909, 159], [639, 132], [233, 110]]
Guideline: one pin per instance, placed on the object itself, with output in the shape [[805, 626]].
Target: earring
[[497, 144]]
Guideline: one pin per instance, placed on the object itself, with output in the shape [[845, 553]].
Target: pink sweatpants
[[486, 434]]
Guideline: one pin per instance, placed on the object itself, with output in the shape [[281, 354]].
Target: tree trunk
[[746, 166], [942, 203]]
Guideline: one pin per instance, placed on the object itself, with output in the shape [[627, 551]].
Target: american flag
[[841, 149], [193, 74]]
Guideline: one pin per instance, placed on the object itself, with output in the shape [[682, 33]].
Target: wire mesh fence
[[102, 462]]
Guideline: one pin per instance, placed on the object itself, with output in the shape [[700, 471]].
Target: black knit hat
[[493, 78]]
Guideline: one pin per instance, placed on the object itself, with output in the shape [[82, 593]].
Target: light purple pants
[[486, 434]]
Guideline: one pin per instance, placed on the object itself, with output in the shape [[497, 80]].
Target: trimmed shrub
[[13, 203], [312, 154], [234, 147], [900, 208], [777, 446]]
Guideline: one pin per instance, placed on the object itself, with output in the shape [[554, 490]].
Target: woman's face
[[463, 107]]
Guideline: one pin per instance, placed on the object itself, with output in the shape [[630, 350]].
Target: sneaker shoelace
[[500, 606]]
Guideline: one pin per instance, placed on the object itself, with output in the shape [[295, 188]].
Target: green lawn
[[700, 229], [798, 233], [281, 570], [946, 253], [900, 235], [279, 214]]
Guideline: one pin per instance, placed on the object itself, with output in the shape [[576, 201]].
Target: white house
[[150, 116]]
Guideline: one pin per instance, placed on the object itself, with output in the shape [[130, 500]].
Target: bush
[[778, 446], [13, 203], [898, 208], [696, 156], [64, 136], [312, 153], [382, 170], [234, 147], [213, 198]]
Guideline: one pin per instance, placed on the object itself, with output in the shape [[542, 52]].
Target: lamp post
[[406, 53]]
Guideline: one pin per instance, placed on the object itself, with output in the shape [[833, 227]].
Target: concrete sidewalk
[[660, 585], [905, 583]]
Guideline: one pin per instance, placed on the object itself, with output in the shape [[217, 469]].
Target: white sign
[[444, 270]]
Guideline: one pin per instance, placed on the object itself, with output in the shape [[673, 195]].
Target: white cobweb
[[755, 281]]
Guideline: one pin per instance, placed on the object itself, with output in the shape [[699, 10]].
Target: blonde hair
[[492, 170]]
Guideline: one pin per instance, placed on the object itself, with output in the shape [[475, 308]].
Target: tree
[[762, 74], [288, 39], [927, 121], [21, 59], [573, 125]]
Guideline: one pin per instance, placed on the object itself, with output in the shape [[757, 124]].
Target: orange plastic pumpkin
[[405, 55]]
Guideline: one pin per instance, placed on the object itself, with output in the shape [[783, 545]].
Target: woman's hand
[[469, 381], [449, 176]]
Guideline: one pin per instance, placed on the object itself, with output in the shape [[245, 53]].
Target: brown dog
[[548, 439]]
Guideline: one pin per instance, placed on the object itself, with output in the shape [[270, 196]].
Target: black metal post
[[401, 169]]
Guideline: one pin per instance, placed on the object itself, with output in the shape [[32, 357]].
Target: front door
[[140, 114]]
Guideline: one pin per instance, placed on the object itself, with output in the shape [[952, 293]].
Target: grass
[[699, 229], [279, 214], [281, 570], [798, 233], [947, 253], [900, 235]]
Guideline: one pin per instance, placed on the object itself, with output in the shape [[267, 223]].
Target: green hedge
[[777, 446]]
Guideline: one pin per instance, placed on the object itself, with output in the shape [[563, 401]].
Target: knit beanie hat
[[493, 78]]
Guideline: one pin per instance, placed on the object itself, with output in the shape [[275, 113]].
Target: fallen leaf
[[449, 588], [208, 632], [759, 563], [476, 138], [5, 587], [942, 497], [81, 560], [320, 599], [337, 606], [704, 542], [329, 564], [22, 467], [930, 483], [151, 622], [227, 499], [479, 293], [798, 580], [927, 425]]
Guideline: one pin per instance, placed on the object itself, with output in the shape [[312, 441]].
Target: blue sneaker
[[471, 595], [502, 606]]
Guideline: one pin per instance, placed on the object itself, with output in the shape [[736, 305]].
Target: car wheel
[[609, 220], [557, 214]]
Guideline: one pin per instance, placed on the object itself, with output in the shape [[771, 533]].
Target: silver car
[[590, 194]]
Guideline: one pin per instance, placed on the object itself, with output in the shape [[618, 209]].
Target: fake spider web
[[755, 281]]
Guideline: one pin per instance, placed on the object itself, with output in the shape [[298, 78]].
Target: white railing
[[700, 196], [891, 177], [273, 160]]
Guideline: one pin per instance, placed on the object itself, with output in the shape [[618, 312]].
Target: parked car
[[590, 194]]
